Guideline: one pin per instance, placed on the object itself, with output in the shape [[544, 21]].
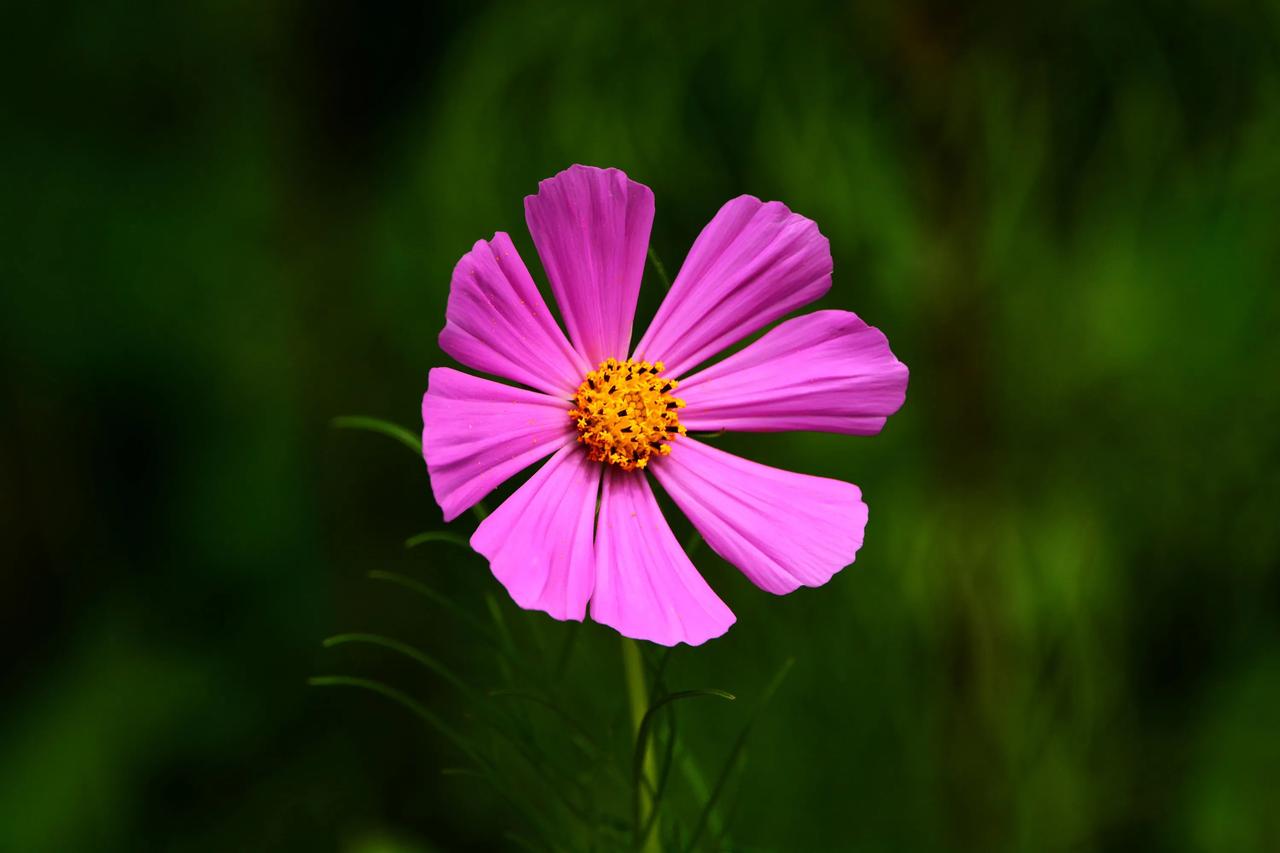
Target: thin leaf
[[390, 430], [540, 763], [693, 776], [718, 837], [659, 669], [736, 751], [570, 641], [668, 699], [407, 701], [565, 716], [554, 777], [443, 600], [458, 740], [501, 632], [437, 536], [659, 269], [480, 511], [668, 758], [642, 739], [408, 651]]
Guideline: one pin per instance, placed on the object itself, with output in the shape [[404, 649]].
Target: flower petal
[[591, 227], [497, 322], [783, 530], [825, 371], [539, 540], [753, 263], [646, 588], [476, 433]]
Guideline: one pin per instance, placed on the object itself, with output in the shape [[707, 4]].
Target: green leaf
[[642, 742], [390, 430], [659, 269], [539, 762], [583, 739], [570, 640], [407, 701], [736, 752], [438, 536], [408, 651], [430, 594], [486, 770], [664, 774], [697, 783], [503, 635]]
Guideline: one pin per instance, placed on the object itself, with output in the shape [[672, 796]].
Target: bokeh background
[[223, 224]]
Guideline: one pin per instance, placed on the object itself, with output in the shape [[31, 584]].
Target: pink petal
[[497, 322], [825, 371], [476, 433], [783, 530], [539, 540], [646, 588], [591, 227], [753, 263]]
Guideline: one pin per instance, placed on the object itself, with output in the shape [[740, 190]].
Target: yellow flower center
[[625, 413]]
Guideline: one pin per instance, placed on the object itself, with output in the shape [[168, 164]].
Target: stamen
[[634, 419]]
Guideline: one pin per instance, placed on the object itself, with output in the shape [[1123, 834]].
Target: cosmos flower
[[609, 415]]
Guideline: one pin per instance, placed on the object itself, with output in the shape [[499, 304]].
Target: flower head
[[625, 413], [609, 416]]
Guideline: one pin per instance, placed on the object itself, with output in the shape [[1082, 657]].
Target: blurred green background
[[223, 224]]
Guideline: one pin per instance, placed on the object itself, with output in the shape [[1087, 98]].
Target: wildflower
[[608, 416]]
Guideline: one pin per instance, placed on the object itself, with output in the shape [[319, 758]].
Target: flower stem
[[638, 698]]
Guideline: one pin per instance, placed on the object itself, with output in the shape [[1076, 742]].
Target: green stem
[[638, 698]]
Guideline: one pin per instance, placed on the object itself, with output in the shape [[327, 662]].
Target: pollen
[[625, 413]]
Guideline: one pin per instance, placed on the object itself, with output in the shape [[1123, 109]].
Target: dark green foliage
[[582, 773]]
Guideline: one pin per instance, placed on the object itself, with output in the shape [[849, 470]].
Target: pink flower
[[607, 414]]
